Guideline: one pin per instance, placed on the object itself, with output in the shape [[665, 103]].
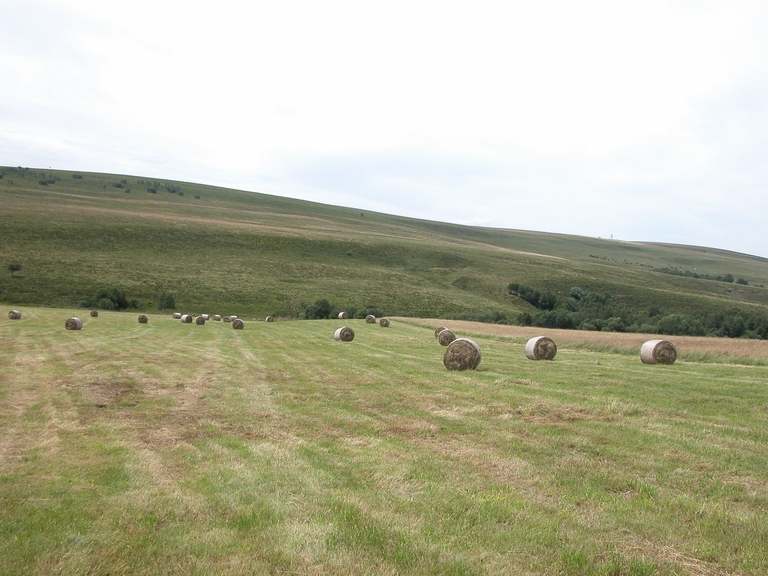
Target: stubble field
[[180, 449]]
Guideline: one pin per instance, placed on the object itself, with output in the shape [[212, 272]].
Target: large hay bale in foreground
[[438, 330], [14, 315], [384, 322], [186, 318], [269, 319], [217, 317], [94, 313], [200, 320], [238, 324], [370, 319], [73, 324], [658, 352], [177, 315], [540, 348], [446, 337], [343, 315], [344, 334], [462, 354], [143, 319]]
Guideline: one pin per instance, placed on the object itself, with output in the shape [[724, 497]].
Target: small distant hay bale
[[343, 315], [204, 316], [227, 318], [462, 354], [232, 317], [238, 324], [438, 330], [200, 320], [94, 313], [186, 318], [540, 348], [658, 352], [217, 317], [269, 319], [446, 336], [370, 319], [73, 324], [344, 334], [177, 315], [14, 315], [384, 322], [143, 319]]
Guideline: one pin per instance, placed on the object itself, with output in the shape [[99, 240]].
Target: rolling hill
[[78, 234]]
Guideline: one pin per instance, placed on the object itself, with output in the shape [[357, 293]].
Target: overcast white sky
[[645, 120]]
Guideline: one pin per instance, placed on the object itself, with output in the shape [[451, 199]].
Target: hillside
[[75, 234]]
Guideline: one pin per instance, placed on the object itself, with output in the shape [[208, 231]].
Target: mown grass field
[[181, 449]]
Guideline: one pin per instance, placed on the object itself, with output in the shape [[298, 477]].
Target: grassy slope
[[183, 449], [255, 254]]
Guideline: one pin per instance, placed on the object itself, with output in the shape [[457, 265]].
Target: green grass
[[184, 449], [260, 254]]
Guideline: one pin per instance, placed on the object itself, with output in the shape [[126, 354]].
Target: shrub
[[166, 301]]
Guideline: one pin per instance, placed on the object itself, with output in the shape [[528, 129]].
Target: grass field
[[181, 449]]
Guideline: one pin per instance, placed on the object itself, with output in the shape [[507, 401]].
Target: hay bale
[[217, 317], [438, 330], [344, 334], [446, 337], [73, 324], [462, 354], [14, 315], [205, 317], [94, 313], [540, 348], [343, 315], [238, 324], [227, 319], [384, 322], [370, 319], [270, 319], [200, 320], [232, 317], [143, 319], [186, 319], [177, 315], [658, 352]]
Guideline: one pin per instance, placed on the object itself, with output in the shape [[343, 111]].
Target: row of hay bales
[[346, 334], [464, 354], [370, 319]]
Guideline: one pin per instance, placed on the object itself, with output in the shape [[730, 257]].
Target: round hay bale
[[94, 313], [370, 319], [200, 320], [186, 319], [438, 330], [462, 354], [217, 317], [177, 315], [14, 315], [344, 334], [232, 317], [540, 348], [384, 322], [446, 337], [143, 319], [227, 319], [270, 319], [73, 324], [204, 317], [343, 315], [658, 352], [238, 324]]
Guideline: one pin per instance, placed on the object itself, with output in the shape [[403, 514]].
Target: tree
[[14, 267]]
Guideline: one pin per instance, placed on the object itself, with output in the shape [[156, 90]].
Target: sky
[[637, 120]]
